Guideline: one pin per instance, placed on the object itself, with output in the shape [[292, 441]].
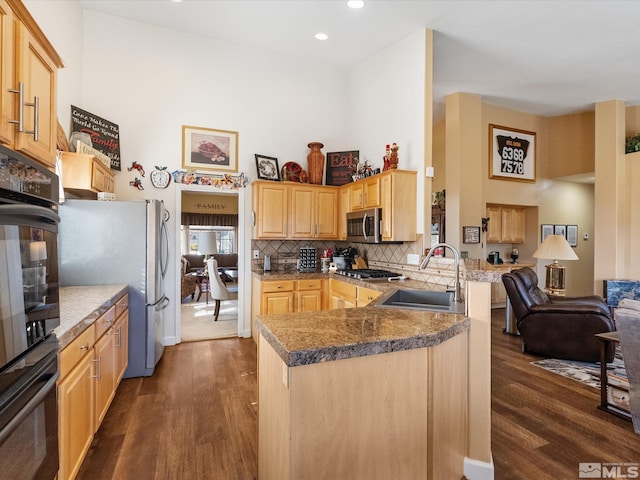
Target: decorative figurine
[[393, 158], [136, 166], [385, 159], [137, 183]]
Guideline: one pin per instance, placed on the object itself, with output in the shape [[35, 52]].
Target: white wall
[[387, 105]]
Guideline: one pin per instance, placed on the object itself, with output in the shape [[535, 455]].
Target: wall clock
[[160, 177]]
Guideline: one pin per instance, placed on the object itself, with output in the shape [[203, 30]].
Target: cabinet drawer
[[78, 348], [105, 321], [343, 288], [367, 295], [284, 286], [122, 305], [315, 284]]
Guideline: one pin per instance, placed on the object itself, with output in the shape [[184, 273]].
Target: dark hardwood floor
[[196, 419]]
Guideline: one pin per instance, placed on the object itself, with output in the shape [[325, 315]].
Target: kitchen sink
[[423, 300]]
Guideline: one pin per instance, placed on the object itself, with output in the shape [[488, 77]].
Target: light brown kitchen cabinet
[[28, 82], [398, 197], [85, 175], [506, 224], [91, 368], [270, 210], [365, 296], [314, 212], [308, 295], [344, 207], [276, 297], [342, 294], [365, 193]]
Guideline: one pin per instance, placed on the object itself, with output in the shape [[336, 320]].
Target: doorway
[[195, 317]]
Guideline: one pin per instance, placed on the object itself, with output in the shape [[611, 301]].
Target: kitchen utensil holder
[[308, 259]]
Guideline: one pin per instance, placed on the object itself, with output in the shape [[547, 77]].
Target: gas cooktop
[[368, 274]]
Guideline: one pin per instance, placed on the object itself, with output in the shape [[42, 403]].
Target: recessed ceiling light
[[355, 4], [322, 36]]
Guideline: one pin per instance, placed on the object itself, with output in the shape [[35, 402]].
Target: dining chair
[[217, 289]]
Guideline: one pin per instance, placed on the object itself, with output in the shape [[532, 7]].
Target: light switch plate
[[413, 259]]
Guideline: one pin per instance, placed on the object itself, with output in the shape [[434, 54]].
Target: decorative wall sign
[[512, 154], [470, 234], [105, 135], [209, 149], [267, 168], [341, 166]]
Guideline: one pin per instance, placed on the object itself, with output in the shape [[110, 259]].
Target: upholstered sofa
[[557, 327], [226, 261], [187, 283]]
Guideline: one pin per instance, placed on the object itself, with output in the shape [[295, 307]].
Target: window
[[225, 239]]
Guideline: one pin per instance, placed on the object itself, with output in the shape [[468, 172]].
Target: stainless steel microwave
[[365, 226]]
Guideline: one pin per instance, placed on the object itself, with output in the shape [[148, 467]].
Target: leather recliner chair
[[557, 327]]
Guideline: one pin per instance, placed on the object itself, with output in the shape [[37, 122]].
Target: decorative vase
[[316, 163]]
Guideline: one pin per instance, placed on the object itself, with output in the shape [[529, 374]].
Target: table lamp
[[207, 245], [555, 247]]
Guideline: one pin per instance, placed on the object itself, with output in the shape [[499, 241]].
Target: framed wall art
[[470, 234], [512, 154], [546, 230], [209, 149], [572, 235], [560, 230], [267, 168]]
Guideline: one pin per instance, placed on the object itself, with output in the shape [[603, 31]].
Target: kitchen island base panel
[[391, 415]]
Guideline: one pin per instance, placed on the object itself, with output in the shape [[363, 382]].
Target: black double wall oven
[[29, 311]]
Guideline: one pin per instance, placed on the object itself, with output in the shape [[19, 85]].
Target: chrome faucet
[[457, 296]]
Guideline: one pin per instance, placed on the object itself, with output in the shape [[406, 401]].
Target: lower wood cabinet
[[91, 368], [347, 295]]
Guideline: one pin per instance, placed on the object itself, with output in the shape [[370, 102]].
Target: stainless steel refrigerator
[[121, 242]]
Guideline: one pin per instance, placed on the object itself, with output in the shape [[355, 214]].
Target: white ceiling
[[542, 57]]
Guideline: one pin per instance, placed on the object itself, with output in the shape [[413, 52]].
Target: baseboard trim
[[477, 470]]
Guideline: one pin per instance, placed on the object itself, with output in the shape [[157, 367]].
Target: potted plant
[[632, 144]]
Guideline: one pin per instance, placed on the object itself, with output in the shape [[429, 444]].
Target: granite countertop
[[81, 306], [315, 337]]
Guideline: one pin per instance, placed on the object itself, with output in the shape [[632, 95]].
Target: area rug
[[197, 321], [589, 374]]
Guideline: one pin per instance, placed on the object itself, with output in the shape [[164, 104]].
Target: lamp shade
[[207, 243], [38, 251], [555, 247]]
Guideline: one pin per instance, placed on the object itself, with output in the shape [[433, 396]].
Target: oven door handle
[[29, 407], [12, 214]]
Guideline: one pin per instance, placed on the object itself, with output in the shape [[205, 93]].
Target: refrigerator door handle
[[165, 246], [161, 304]]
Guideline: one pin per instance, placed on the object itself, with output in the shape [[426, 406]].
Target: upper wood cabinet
[[398, 201], [506, 224], [344, 206], [85, 175], [270, 209], [365, 193], [294, 211], [28, 82], [314, 212]]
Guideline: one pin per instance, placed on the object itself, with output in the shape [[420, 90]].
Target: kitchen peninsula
[[372, 392]]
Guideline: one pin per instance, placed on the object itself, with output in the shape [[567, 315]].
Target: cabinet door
[[309, 301], [494, 232], [326, 214], [357, 196], [344, 207], [121, 332], [278, 302], [7, 100], [302, 212], [271, 210], [371, 192], [38, 72], [366, 296], [76, 416], [104, 357], [513, 225]]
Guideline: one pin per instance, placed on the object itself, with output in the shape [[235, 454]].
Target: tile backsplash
[[285, 253]]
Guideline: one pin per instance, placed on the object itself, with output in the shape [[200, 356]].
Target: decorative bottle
[[316, 163]]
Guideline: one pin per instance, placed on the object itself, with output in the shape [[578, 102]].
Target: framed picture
[[267, 168], [470, 234], [572, 235], [340, 167], [209, 149], [560, 230], [546, 230], [512, 154]]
